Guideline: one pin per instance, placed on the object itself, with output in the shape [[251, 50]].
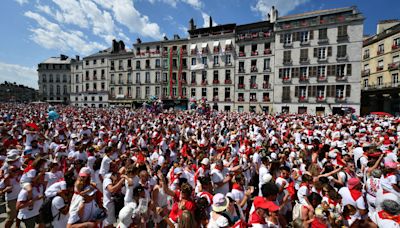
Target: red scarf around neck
[[355, 194], [385, 215], [256, 219]]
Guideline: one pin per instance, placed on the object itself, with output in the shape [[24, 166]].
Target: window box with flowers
[[320, 99], [303, 79], [242, 54], [266, 86], [254, 86], [215, 98], [253, 69], [393, 66], [267, 51], [395, 46], [254, 53], [241, 99], [203, 82], [184, 82], [321, 78], [286, 79], [340, 99], [241, 86], [253, 100], [302, 99], [227, 99], [228, 81], [216, 50], [266, 99], [215, 82], [193, 83]]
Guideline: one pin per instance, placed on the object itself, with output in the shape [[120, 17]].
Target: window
[[157, 91], [193, 77], [395, 78], [138, 94], [342, 31], [380, 65], [241, 67], [241, 80], [100, 99], [303, 72], [323, 34], [112, 81], [203, 76], [112, 65], [267, 64], [380, 80], [341, 51], [138, 65], [396, 43], [76, 89], [103, 75], [266, 78], [204, 92], [57, 78], [147, 77], [165, 63], [44, 78], [366, 82], [120, 90], [227, 75], [165, 92], [64, 78], [287, 38], [137, 77], [227, 93], [129, 78], [103, 86], [303, 55], [158, 63], [287, 57], [87, 62], [340, 70], [216, 60], [158, 77], [94, 86], [215, 78], [381, 49], [147, 91], [396, 59], [58, 90], [120, 79], [228, 59], [164, 78], [87, 86], [253, 81], [286, 73], [253, 97], [193, 92], [102, 60], [241, 97], [215, 92], [366, 54], [129, 63], [322, 53], [304, 36], [193, 61], [204, 60], [65, 90], [340, 91]]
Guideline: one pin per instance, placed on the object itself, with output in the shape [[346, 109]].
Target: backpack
[[45, 212]]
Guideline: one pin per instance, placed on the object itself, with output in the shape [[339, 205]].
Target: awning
[[203, 45], [228, 42], [216, 43], [192, 46]]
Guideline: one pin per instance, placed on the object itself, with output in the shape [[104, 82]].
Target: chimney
[[138, 41], [121, 45], [211, 22], [176, 37], [191, 24], [63, 57], [77, 57], [273, 14], [165, 38], [114, 47]]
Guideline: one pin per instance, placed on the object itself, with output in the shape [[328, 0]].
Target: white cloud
[[283, 6], [71, 12], [206, 20], [51, 36], [19, 74], [196, 4], [21, 2]]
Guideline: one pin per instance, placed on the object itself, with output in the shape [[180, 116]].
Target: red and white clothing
[[352, 197]]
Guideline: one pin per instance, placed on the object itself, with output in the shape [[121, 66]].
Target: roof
[[255, 25], [315, 13], [100, 53], [384, 34], [388, 21], [57, 60]]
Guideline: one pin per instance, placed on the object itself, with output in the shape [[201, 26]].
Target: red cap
[[261, 202]]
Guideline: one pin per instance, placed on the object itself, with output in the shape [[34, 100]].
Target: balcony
[[303, 79], [287, 62], [380, 52], [365, 72], [286, 80], [304, 61], [379, 68], [253, 86], [241, 86], [266, 99], [228, 99], [193, 83], [215, 64], [204, 82], [321, 99], [323, 41], [303, 99], [228, 82], [286, 100], [395, 47], [164, 53], [215, 82], [242, 54], [183, 82], [254, 53], [322, 60], [304, 43], [266, 85], [241, 69], [267, 51], [287, 45], [366, 56], [342, 58], [253, 69], [267, 69], [341, 78], [343, 38], [184, 52], [229, 48], [322, 78], [215, 98], [340, 99], [241, 99], [193, 52], [216, 50], [394, 66], [253, 100]]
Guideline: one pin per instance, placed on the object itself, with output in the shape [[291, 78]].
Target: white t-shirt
[[60, 220], [387, 183], [16, 188], [263, 171], [107, 194], [348, 199], [52, 178], [25, 213], [387, 223], [28, 176], [217, 176], [302, 194], [221, 221], [105, 166]]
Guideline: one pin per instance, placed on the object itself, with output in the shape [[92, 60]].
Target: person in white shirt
[[28, 209], [262, 172], [11, 187], [220, 177], [389, 216]]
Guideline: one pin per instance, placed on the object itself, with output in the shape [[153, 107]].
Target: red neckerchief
[[237, 187], [332, 202], [389, 174], [317, 224], [355, 194], [256, 219], [385, 215], [29, 167]]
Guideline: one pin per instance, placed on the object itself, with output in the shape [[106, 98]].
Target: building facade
[[317, 62], [380, 69], [55, 79], [306, 63]]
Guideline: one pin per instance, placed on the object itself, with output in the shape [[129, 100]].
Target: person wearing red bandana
[[352, 195], [389, 216], [263, 208]]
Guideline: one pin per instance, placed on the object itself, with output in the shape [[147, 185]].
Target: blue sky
[[33, 30]]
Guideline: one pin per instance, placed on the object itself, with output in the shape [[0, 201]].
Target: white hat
[[267, 178], [220, 203], [205, 161], [73, 135], [177, 170], [332, 153]]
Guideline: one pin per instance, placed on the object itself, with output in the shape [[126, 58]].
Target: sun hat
[[84, 172], [205, 161], [220, 203]]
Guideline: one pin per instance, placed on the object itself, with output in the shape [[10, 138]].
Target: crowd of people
[[118, 167]]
